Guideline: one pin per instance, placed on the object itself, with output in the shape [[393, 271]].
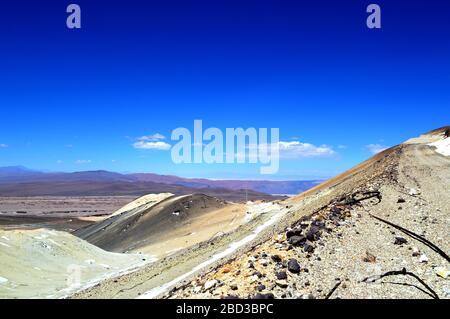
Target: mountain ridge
[[13, 176]]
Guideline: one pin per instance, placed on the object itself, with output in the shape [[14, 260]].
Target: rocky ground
[[341, 249], [379, 230]]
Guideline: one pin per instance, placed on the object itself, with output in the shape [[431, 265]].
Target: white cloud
[[59, 162], [152, 142], [376, 148], [293, 150], [144, 145], [290, 150], [3, 145], [80, 162], [152, 138]]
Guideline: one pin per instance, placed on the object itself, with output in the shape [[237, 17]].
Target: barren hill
[[379, 230], [162, 224]]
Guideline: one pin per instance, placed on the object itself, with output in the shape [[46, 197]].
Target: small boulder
[[292, 233], [261, 288], [293, 266], [276, 258], [400, 241], [282, 275], [313, 233], [308, 248], [297, 240]]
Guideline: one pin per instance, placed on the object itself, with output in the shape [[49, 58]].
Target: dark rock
[[276, 258], [313, 233], [261, 288], [308, 248], [401, 201], [231, 297], [297, 240], [304, 226], [335, 210], [234, 287], [282, 275], [293, 266], [292, 233], [400, 241]]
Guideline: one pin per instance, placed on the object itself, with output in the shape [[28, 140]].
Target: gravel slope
[[327, 242], [408, 185]]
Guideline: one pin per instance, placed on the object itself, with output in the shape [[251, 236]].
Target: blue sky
[[79, 99]]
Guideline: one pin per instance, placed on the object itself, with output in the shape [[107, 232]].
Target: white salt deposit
[[442, 146]]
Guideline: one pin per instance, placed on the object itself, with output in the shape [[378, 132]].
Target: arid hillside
[[378, 231]]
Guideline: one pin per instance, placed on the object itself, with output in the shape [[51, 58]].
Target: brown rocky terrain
[[377, 231]]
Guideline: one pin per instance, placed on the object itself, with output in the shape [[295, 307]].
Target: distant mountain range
[[21, 181]]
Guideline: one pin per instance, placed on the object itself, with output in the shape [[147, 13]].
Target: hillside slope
[[161, 224], [364, 234], [325, 243], [39, 263]]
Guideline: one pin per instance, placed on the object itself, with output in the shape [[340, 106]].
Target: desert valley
[[380, 230]]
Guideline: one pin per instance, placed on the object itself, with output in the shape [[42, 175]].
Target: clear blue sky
[[78, 99]]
